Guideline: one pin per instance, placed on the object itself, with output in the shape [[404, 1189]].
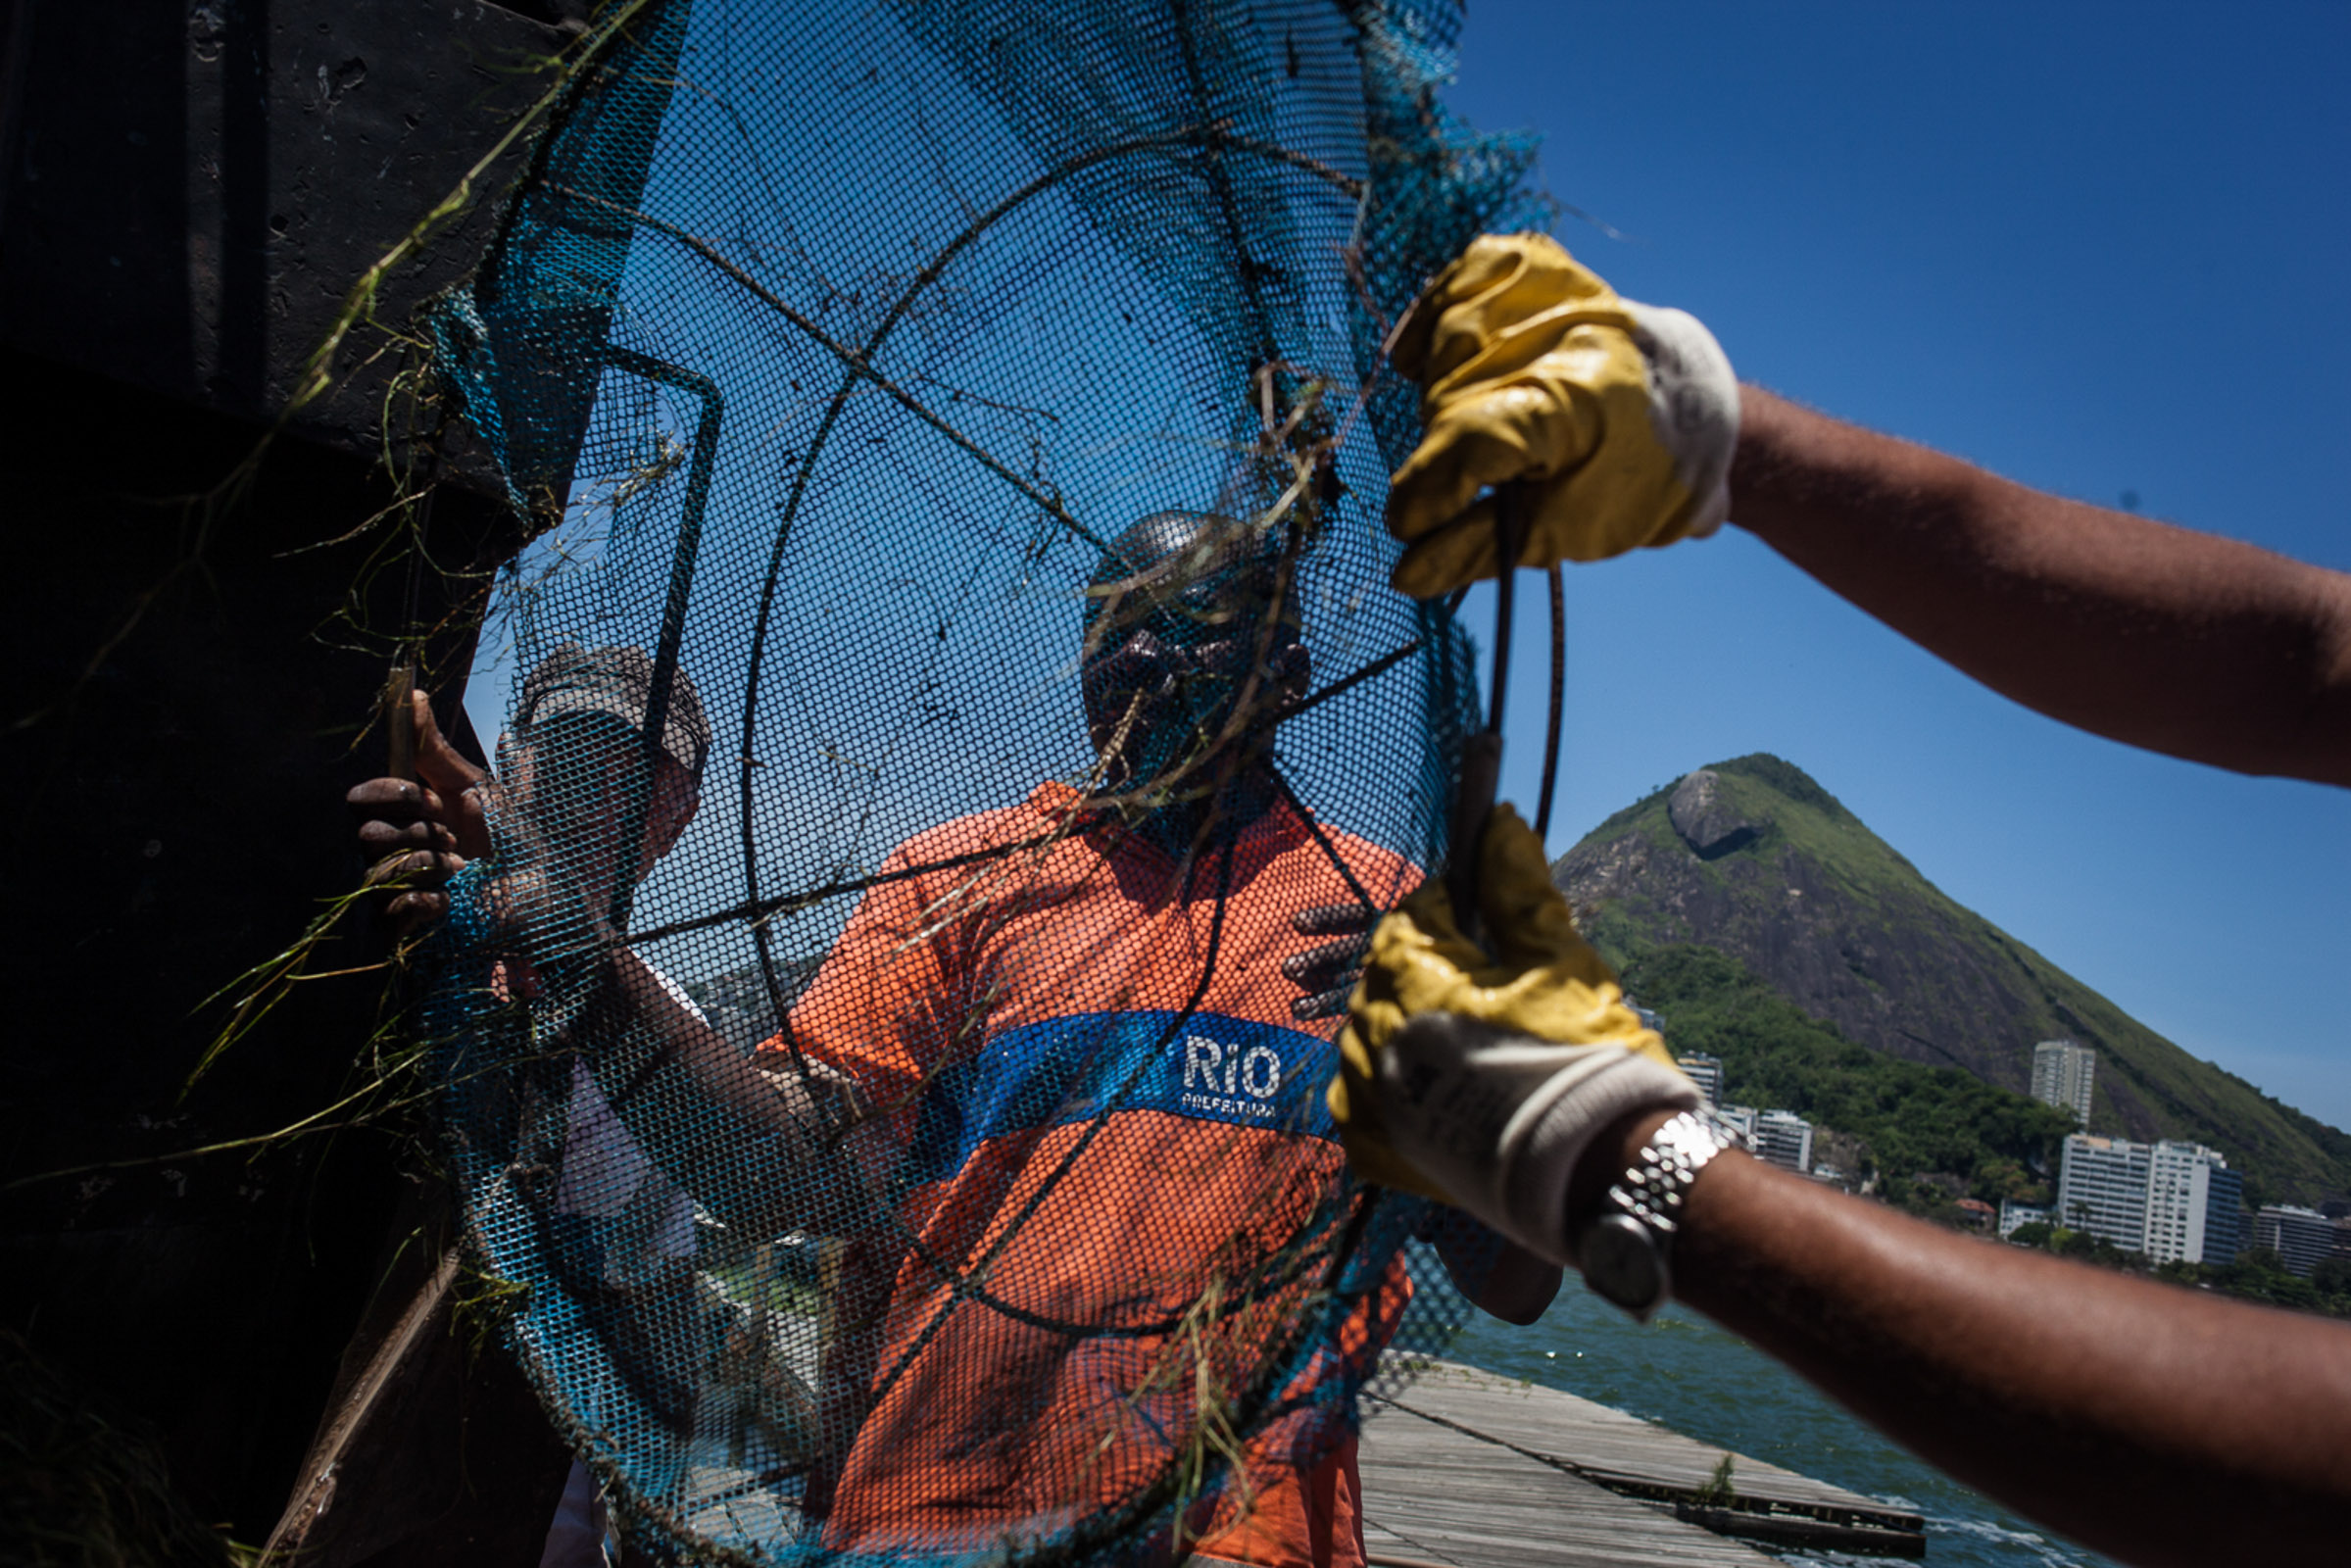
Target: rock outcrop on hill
[[1707, 821], [1752, 858]]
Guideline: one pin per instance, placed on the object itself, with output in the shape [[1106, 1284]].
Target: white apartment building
[[2181, 1188], [1785, 1138], [2102, 1189], [1706, 1072], [2062, 1074], [2176, 1201]]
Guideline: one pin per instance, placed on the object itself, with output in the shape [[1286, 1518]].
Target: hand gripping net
[[960, 651]]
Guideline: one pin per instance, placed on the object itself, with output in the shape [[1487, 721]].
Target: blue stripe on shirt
[[1064, 1070]]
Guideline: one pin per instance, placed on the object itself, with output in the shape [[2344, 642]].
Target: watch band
[[1625, 1251], [1652, 1190]]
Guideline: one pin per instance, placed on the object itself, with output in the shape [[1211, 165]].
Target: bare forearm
[[2183, 643], [765, 1146], [2158, 1424], [720, 1076]]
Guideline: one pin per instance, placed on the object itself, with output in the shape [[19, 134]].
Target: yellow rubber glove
[[1617, 419], [1479, 1080]]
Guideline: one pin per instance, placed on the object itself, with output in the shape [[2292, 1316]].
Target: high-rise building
[[2303, 1237], [1706, 1072], [2062, 1074], [2226, 1229], [2102, 1189], [1785, 1138], [1742, 1119], [2179, 1204]]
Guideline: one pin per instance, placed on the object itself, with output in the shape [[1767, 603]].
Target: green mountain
[[1757, 913]]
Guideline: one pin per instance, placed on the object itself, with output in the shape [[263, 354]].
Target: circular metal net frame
[[884, 1054]]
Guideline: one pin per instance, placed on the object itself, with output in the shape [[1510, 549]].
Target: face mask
[[1179, 668]]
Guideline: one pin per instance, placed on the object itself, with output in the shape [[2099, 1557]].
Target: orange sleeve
[[880, 1008]]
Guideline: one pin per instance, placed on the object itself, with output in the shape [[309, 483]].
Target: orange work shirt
[[1100, 1171]]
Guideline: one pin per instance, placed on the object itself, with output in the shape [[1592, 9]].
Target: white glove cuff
[[1693, 407], [1539, 1160], [1497, 1119]]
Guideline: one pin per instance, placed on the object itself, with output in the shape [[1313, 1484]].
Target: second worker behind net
[[1055, 1093], [576, 781]]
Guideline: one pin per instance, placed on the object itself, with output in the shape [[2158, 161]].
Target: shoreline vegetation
[[2259, 1274]]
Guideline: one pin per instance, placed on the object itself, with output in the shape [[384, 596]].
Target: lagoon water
[[1685, 1373]]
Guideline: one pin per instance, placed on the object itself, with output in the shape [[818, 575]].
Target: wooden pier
[[1465, 1469]]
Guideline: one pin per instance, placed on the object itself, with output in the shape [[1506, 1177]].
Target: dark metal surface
[[190, 192]]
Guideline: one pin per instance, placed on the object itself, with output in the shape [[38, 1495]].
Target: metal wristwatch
[[1625, 1250]]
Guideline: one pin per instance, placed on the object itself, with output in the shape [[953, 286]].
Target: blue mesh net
[[957, 696]]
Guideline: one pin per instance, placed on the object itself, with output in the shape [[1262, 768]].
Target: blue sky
[[2096, 247], [2093, 247]]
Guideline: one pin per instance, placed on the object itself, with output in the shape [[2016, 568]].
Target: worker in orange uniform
[[1063, 960], [1055, 1099], [2160, 1425]]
